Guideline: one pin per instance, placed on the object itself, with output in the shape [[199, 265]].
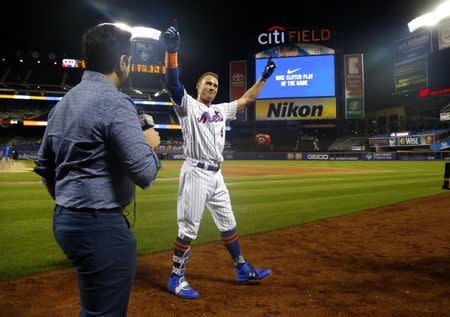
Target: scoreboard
[[135, 67]]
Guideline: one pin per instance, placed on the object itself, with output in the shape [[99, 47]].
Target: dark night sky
[[214, 32]]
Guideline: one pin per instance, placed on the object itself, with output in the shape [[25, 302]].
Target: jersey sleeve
[[182, 109], [229, 110]]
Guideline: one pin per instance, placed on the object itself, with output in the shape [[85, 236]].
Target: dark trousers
[[102, 248]]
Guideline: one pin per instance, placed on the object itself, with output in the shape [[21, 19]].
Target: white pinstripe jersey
[[203, 128]]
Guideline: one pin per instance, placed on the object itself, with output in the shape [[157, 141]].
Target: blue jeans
[[102, 248]]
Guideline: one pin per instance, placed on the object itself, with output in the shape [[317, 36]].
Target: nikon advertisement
[[296, 109]]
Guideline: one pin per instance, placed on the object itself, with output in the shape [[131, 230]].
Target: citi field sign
[[279, 35]]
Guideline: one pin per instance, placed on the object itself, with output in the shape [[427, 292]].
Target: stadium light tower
[[431, 18]]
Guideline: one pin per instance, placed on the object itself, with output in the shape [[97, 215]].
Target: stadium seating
[[347, 143]]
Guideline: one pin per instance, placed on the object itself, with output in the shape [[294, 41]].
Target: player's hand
[[152, 137], [171, 39], [268, 70], [146, 121]]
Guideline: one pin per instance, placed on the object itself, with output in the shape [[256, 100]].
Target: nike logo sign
[[289, 71]]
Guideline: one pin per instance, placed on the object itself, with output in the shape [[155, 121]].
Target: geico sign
[[317, 156], [289, 110], [277, 35]]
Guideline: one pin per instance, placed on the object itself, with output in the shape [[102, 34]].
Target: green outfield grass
[[260, 204]]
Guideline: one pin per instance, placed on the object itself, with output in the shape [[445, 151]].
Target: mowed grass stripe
[[385, 174], [304, 210], [332, 187]]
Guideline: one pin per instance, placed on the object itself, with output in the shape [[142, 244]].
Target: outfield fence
[[30, 152], [333, 156]]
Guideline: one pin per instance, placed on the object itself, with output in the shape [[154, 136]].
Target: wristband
[[171, 60]]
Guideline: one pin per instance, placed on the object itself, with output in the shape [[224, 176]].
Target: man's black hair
[[103, 45]]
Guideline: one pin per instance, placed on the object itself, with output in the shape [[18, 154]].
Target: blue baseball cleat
[[248, 272], [179, 286]]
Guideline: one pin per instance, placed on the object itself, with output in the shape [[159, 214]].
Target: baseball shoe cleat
[[180, 287], [248, 272]]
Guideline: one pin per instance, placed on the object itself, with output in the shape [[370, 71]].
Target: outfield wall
[[333, 156], [30, 152]]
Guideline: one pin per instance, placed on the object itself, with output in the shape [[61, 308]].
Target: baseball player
[[201, 180]]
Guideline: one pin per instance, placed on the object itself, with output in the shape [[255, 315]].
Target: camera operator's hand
[[171, 39], [152, 137]]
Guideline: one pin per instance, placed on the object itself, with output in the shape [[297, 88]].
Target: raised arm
[[250, 95], [132, 150], [175, 88]]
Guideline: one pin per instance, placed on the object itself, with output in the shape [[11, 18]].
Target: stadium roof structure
[[26, 75], [445, 113]]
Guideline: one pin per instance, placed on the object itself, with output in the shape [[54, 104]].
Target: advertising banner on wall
[[410, 53], [238, 79], [296, 109], [408, 141], [414, 46], [379, 156], [354, 75], [238, 84], [414, 140], [354, 107], [411, 76], [354, 86]]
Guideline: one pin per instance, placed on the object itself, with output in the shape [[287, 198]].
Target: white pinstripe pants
[[197, 188]]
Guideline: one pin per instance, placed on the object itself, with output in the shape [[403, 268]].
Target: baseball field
[[362, 238]]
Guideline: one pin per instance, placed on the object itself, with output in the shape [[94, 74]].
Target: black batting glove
[[268, 70], [171, 39]]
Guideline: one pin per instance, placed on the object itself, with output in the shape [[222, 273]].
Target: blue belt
[[208, 167]]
